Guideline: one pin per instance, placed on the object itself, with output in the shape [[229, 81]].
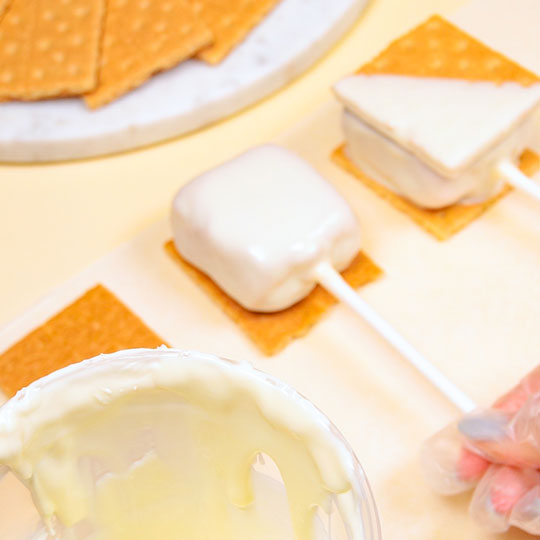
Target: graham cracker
[[49, 48], [272, 332], [437, 48], [230, 22], [142, 37], [3, 6], [95, 323], [444, 222]]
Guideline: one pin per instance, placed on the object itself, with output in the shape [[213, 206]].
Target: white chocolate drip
[[150, 444]]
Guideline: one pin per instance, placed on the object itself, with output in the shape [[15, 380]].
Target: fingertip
[[471, 466], [447, 466], [526, 512], [499, 493], [508, 486], [485, 507]]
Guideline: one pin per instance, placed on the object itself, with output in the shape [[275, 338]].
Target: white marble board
[[192, 95]]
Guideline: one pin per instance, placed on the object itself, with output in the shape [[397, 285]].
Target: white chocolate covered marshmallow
[[259, 225], [436, 141]]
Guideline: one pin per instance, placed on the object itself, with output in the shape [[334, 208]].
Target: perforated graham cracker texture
[[49, 48], [230, 21], [95, 323], [142, 37]]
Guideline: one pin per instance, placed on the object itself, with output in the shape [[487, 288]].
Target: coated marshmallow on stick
[[259, 224], [267, 228], [438, 141]]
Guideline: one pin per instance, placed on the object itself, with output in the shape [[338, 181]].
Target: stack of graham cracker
[[101, 49]]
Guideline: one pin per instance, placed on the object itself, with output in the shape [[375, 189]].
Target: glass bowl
[[351, 515]]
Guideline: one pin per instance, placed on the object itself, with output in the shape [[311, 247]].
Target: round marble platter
[[192, 95]]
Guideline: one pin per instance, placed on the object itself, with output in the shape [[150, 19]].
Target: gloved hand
[[497, 452]]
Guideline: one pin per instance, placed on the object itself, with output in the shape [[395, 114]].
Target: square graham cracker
[[442, 223], [230, 21], [95, 323], [272, 332], [437, 48], [143, 37], [49, 48]]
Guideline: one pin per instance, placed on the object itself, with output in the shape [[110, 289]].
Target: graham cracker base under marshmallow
[[441, 223], [437, 48], [95, 323], [272, 332], [229, 22]]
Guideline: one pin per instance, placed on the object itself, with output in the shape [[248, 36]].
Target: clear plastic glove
[[497, 452]]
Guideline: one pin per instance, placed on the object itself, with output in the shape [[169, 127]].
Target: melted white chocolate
[[148, 444], [401, 171], [436, 141], [259, 224]]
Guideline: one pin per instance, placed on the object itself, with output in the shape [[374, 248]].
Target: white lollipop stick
[[332, 281], [519, 180]]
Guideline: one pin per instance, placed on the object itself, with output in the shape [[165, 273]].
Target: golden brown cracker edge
[[437, 48], [272, 332], [97, 322], [165, 32], [230, 24]]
